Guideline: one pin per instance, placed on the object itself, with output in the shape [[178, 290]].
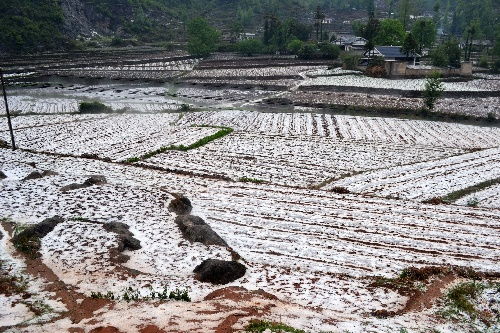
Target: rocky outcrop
[[2, 175], [38, 174], [93, 180], [126, 240], [219, 271], [28, 240], [180, 206], [194, 229]]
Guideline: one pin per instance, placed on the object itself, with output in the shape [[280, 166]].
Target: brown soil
[[108, 329], [67, 295], [424, 300], [151, 329]]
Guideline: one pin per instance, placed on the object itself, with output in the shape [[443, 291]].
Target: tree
[[424, 31], [404, 12], [319, 17], [410, 46], [433, 90], [390, 32], [202, 38], [307, 51], [447, 54], [470, 32], [369, 32], [294, 46], [329, 51]]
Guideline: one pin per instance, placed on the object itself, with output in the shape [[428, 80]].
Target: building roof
[[392, 52]]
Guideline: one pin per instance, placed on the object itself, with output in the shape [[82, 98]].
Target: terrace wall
[[397, 69]]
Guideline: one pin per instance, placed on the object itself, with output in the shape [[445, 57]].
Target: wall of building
[[403, 69]]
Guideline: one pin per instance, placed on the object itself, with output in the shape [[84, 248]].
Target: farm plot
[[263, 72], [24, 122], [377, 129], [406, 84], [27, 104], [118, 137], [217, 97], [292, 160], [293, 240], [489, 197], [427, 180]]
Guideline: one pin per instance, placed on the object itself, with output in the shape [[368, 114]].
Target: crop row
[[119, 137], [389, 130], [292, 160], [428, 179]]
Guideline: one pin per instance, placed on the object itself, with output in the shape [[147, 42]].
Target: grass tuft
[[93, 107], [251, 180], [262, 325]]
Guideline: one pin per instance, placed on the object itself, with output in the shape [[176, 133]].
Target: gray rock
[[219, 271], [126, 238], [72, 187], [194, 229], [180, 206], [95, 180], [2, 175], [33, 175]]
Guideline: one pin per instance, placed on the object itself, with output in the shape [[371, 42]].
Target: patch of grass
[[93, 107], [133, 295], [25, 242], [251, 180], [185, 107], [262, 325], [409, 280], [454, 196], [203, 141], [11, 284], [460, 300]]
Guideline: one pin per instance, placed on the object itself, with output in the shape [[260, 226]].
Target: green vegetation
[[202, 38], [251, 180], [30, 26], [424, 32], [250, 47], [389, 32], [93, 107], [133, 295], [262, 325], [27, 243], [221, 133], [433, 90], [461, 297], [350, 61], [447, 54], [454, 196]]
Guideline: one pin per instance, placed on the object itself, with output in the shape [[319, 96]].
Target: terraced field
[[429, 179], [116, 137], [389, 130], [292, 160]]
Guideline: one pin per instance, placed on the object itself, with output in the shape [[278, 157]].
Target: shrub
[[262, 325], [433, 90], [250, 47], [294, 46], [350, 61], [329, 51], [495, 67], [307, 51], [93, 107], [483, 62]]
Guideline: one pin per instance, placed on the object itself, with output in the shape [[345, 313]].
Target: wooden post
[[7, 111]]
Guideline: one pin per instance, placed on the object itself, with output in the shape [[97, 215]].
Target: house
[[392, 53], [246, 36], [350, 43]]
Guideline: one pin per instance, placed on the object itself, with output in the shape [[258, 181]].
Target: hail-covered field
[[340, 127], [115, 137], [325, 209], [429, 179]]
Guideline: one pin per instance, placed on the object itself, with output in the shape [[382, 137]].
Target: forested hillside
[[31, 26]]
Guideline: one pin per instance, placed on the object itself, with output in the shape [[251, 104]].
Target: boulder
[[3, 144], [219, 271], [48, 173], [95, 180], [180, 206], [2, 175], [72, 187], [28, 240], [126, 238], [33, 175], [194, 229]]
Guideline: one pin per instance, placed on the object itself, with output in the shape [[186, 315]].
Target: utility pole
[[7, 111]]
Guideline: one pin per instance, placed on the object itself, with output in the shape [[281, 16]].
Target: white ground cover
[[401, 84], [428, 179], [23, 122], [378, 129], [292, 160], [489, 197], [117, 137], [294, 241], [253, 72]]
